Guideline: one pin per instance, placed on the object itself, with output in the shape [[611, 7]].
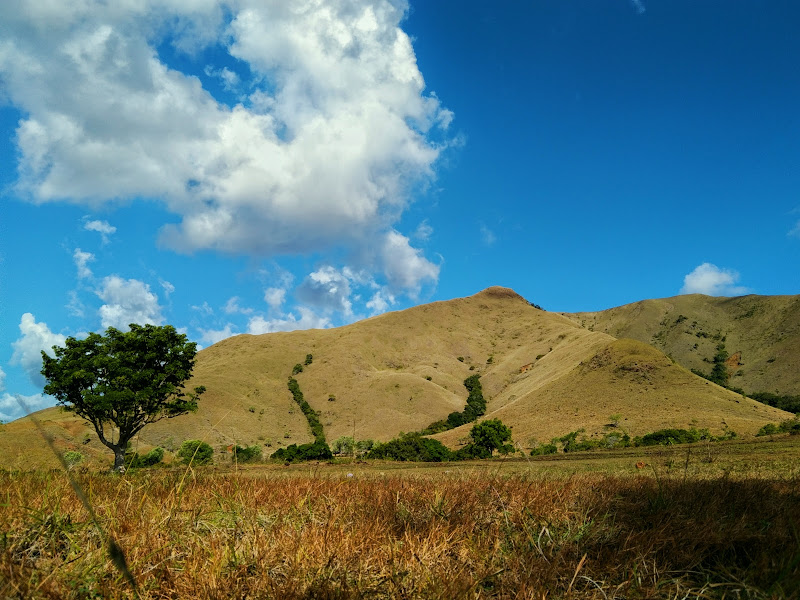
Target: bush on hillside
[[411, 447], [195, 452], [491, 435], [343, 445], [475, 407], [72, 458], [134, 461], [790, 426], [246, 454], [294, 453], [667, 437], [788, 403], [543, 449], [311, 415]]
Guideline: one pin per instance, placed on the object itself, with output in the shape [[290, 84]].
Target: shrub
[[787, 403], [667, 437], [294, 453], [790, 426], [298, 368], [543, 449], [768, 429], [195, 452], [134, 461], [246, 454], [72, 458], [364, 446], [343, 445], [411, 447], [309, 359]]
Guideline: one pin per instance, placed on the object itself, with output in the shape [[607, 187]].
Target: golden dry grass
[[479, 531]]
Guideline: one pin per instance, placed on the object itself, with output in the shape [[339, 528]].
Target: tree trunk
[[119, 458]]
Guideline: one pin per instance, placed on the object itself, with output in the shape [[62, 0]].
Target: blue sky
[[252, 166]]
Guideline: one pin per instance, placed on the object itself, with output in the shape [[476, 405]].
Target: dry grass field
[[703, 521]]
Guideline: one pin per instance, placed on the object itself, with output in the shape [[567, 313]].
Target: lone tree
[[123, 380], [488, 436]]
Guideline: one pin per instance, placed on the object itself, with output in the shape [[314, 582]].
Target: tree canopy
[[487, 436], [123, 380]]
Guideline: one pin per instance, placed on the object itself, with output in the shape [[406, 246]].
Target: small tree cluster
[[486, 437], [344, 445], [310, 414], [411, 447], [294, 453], [719, 372], [790, 426], [246, 454], [475, 407], [135, 461], [195, 452], [788, 403]]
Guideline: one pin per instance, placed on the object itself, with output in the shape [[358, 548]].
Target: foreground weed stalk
[[115, 552]]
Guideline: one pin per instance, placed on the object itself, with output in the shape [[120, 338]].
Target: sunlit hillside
[[761, 335], [542, 373]]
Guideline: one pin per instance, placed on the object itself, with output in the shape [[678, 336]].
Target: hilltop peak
[[497, 291]]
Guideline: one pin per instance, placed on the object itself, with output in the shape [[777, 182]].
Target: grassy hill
[[760, 333], [542, 373]]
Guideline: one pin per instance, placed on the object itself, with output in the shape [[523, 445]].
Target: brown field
[[711, 521]]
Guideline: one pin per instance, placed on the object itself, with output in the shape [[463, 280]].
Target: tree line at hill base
[[127, 380]]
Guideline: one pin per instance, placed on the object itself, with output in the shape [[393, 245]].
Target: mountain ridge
[[542, 372]]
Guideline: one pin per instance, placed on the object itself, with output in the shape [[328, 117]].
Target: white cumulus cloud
[[711, 280], [335, 134], [404, 266], [232, 307], [380, 302], [212, 336], [307, 319], [104, 228], [327, 289], [82, 259], [35, 338], [14, 406], [128, 301], [274, 297]]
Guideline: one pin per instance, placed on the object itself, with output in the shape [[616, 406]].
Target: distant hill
[[542, 373], [761, 335]]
